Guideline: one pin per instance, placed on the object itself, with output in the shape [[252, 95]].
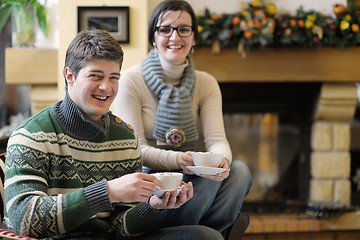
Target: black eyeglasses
[[167, 31]]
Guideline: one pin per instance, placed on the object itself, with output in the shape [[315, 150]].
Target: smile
[[175, 47], [101, 98]]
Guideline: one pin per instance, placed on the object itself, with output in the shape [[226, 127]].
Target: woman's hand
[[134, 187], [220, 176], [172, 199], [185, 159]]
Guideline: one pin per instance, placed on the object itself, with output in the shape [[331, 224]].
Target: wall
[[235, 5], [67, 26], [64, 22]]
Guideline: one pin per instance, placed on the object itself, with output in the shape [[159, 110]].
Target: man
[[73, 170]]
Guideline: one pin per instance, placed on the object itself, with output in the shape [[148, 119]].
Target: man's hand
[[171, 199], [135, 187]]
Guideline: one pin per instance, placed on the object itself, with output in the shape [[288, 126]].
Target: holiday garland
[[259, 25]]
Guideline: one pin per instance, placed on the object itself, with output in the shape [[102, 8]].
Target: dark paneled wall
[[14, 99], [5, 41]]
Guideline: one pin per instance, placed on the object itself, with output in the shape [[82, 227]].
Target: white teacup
[[170, 180], [207, 159]]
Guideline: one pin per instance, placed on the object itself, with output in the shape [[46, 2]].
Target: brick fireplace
[[322, 157], [312, 89]]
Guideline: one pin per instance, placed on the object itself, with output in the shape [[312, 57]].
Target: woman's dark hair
[[171, 5]]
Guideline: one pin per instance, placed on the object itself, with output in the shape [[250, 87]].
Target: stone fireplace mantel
[[281, 65]]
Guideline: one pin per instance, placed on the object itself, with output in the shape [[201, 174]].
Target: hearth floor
[[264, 226], [290, 222]]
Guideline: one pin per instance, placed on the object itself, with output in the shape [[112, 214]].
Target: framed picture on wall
[[115, 20]]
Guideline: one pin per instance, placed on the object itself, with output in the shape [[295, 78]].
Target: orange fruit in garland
[[236, 20], [216, 16], [339, 9], [248, 34], [292, 23], [301, 23], [355, 27]]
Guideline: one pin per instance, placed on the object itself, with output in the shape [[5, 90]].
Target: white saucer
[[205, 170], [160, 193]]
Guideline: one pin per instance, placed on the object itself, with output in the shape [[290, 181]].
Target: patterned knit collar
[[75, 124]]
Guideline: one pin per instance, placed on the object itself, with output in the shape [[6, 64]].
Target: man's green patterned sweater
[[56, 171]]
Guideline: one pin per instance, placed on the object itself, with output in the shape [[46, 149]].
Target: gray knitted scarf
[[174, 109]]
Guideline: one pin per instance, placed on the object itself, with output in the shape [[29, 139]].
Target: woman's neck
[[173, 73]]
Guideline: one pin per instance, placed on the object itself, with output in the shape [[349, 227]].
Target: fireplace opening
[[268, 127], [355, 158], [272, 152]]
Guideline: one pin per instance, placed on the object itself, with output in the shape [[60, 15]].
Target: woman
[[174, 110]]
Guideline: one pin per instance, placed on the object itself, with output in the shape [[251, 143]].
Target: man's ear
[[69, 76]]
